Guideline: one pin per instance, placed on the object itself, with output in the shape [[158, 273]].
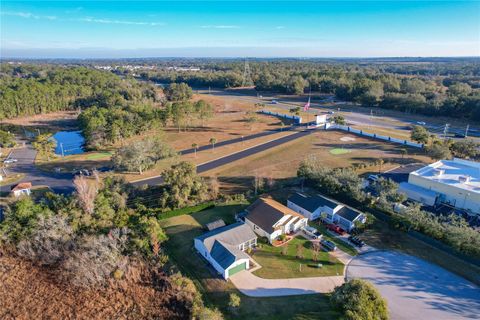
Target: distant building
[[331, 211], [269, 218], [24, 188], [224, 248], [452, 182]]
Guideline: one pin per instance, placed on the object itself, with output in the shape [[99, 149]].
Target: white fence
[[360, 132], [297, 119]]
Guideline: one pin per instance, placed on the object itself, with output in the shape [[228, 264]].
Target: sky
[[123, 29]]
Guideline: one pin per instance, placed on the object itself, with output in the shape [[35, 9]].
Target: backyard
[[181, 231], [277, 264]]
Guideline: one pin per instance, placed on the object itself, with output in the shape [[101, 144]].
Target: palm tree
[[195, 146], [212, 142]]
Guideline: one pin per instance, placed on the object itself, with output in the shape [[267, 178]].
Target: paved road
[[416, 289], [232, 157], [254, 286], [355, 116], [62, 182], [58, 182]]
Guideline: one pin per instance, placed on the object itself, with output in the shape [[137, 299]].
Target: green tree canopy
[[359, 300]]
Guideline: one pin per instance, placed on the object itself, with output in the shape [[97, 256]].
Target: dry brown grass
[[282, 162], [31, 292]]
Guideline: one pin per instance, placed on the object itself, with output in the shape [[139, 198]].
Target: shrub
[[234, 302], [49, 242], [359, 300]]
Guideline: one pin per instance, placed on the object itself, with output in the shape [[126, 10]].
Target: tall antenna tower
[[247, 76]]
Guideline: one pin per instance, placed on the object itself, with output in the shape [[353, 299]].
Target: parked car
[[328, 245], [312, 232], [274, 102], [331, 112], [10, 160], [336, 229], [422, 123], [356, 241]]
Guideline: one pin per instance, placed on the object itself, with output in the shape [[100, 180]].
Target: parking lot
[[416, 289]]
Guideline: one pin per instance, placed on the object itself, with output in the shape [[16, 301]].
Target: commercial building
[[450, 182]]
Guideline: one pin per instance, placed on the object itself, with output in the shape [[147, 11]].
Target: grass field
[[282, 162], [275, 265], [181, 231]]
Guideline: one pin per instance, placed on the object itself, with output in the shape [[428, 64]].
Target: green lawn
[[215, 291], [345, 247], [339, 151], [278, 266]]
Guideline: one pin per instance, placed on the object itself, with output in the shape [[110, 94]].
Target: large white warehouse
[[454, 182]]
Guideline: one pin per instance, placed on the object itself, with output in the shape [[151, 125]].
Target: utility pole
[[247, 76], [466, 130], [445, 130]]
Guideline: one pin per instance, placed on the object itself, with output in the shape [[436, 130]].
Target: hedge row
[[186, 210]]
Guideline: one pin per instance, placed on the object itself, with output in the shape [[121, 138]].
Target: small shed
[[23, 188], [215, 224]]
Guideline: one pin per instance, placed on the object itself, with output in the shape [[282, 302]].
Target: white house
[[23, 188], [313, 206], [270, 219], [224, 248], [319, 206], [452, 182]]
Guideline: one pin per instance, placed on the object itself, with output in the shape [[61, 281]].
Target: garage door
[[237, 269]]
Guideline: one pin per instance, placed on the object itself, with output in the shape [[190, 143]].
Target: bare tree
[[214, 188], [86, 191], [315, 251], [49, 242]]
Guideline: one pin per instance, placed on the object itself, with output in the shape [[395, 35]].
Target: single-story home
[[269, 218], [224, 248], [329, 210], [24, 188], [313, 206]]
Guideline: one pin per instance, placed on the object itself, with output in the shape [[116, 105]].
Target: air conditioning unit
[[464, 179], [438, 172]]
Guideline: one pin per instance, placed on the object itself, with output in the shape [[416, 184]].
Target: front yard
[[215, 291], [277, 264]]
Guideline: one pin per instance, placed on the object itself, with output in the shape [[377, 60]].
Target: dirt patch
[[55, 121], [31, 292]]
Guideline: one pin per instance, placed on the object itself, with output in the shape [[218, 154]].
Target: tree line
[[408, 87], [33, 89]]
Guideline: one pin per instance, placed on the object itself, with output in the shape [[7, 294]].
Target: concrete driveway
[[254, 286], [416, 289]]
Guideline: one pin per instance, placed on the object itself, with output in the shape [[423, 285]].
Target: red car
[[336, 229]]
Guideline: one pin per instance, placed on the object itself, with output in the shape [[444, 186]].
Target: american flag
[[307, 105]]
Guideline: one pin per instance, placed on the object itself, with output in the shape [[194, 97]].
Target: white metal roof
[[458, 173]]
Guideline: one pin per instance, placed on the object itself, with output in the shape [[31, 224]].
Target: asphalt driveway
[[416, 289]]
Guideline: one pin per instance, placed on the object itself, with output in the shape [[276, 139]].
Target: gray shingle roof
[[222, 242], [312, 203], [348, 213]]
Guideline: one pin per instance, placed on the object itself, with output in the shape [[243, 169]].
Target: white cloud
[[220, 27], [27, 15], [108, 21]]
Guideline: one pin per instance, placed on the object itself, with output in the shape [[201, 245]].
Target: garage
[[237, 269]]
